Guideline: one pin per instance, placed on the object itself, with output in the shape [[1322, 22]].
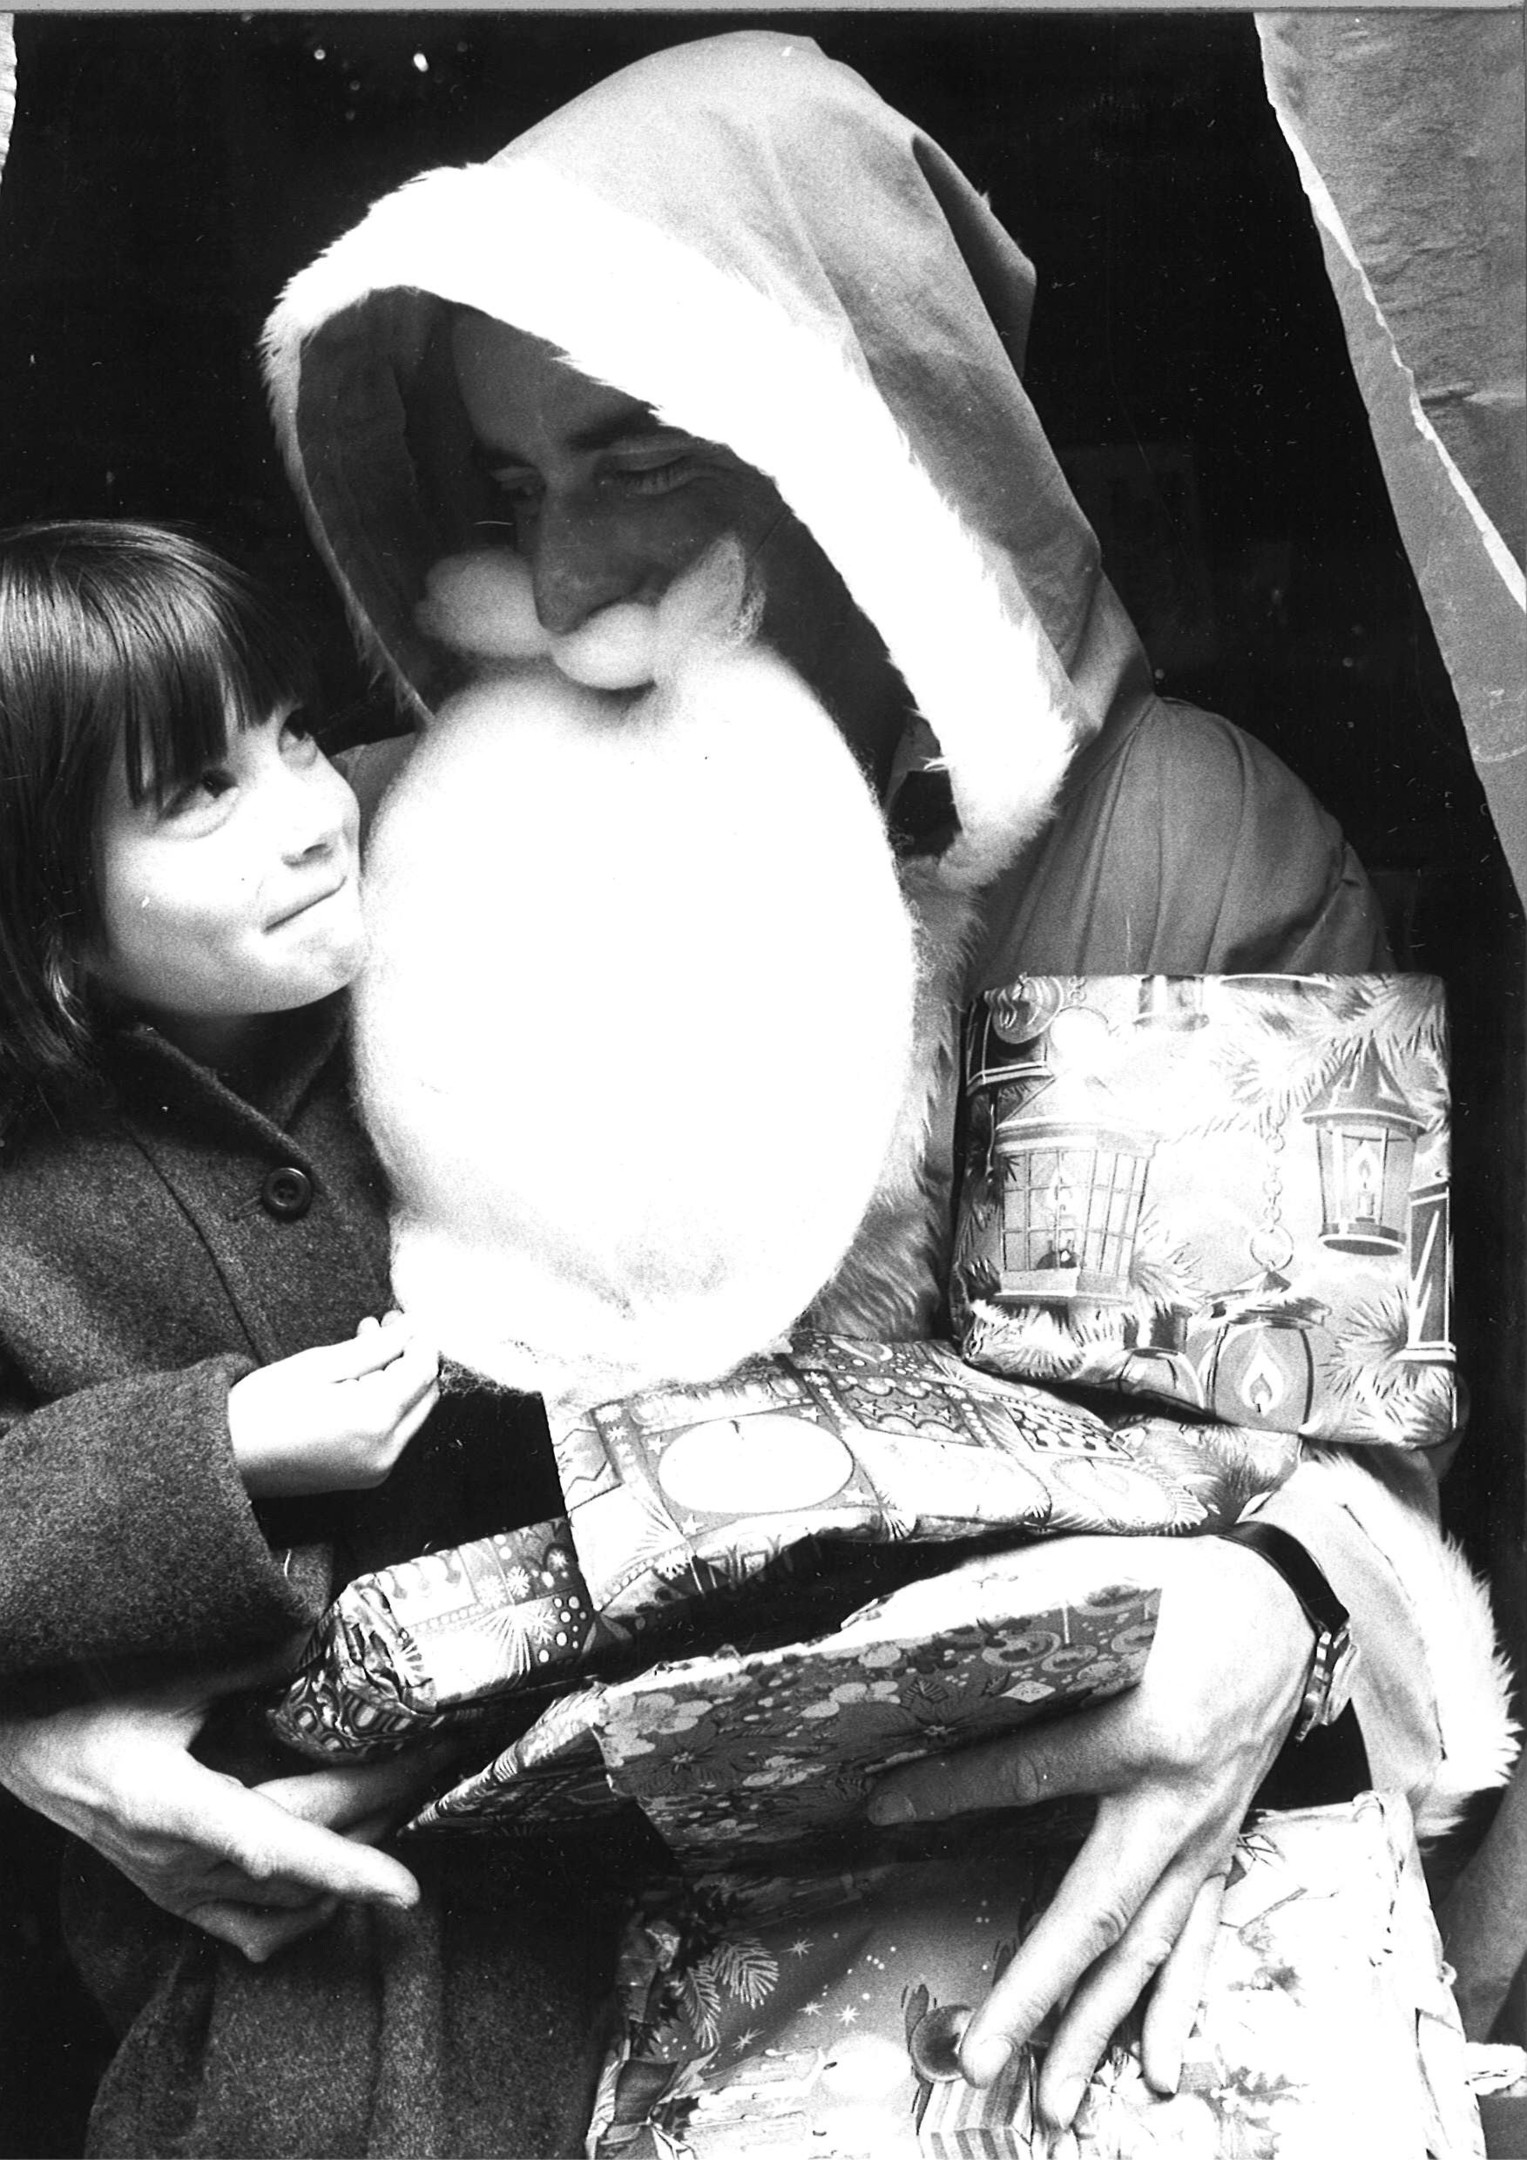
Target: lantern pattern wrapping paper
[[1229, 1193], [819, 2013]]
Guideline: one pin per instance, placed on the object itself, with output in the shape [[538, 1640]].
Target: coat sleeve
[[1432, 1691], [1184, 847], [130, 1541]]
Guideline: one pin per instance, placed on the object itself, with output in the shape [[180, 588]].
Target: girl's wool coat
[[155, 1245], [157, 1242]]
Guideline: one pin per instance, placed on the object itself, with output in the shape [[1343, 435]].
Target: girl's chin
[[310, 985], [331, 952]]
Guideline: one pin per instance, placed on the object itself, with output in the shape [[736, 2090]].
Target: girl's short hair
[[115, 639]]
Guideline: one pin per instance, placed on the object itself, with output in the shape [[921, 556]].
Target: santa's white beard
[[637, 1022]]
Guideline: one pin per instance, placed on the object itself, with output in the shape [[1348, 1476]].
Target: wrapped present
[[694, 1493], [420, 1646], [1229, 1193], [761, 1500], [821, 2013], [777, 1749]]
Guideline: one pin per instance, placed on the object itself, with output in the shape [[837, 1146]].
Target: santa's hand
[[254, 1867], [337, 1418], [1175, 1763]]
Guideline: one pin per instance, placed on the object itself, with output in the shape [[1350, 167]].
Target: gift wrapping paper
[[819, 2014], [1228, 1193], [416, 1647], [778, 1749], [691, 1494], [698, 1513]]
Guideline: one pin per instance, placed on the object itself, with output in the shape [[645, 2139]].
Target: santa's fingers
[[351, 1798], [1111, 1987], [1136, 1843], [258, 1935], [1181, 1986], [225, 1883], [1101, 1749]]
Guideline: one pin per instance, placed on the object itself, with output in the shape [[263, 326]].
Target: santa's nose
[[577, 569]]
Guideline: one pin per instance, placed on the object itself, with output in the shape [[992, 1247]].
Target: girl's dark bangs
[[212, 664], [174, 721]]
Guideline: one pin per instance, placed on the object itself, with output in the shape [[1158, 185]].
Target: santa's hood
[[740, 234]]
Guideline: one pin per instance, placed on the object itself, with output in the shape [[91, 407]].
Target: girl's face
[[237, 896]]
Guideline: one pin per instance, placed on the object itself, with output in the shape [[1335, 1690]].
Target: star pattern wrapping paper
[[818, 2014], [776, 1751]]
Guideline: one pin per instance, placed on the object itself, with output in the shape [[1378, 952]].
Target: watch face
[[1329, 1689], [1345, 1659]]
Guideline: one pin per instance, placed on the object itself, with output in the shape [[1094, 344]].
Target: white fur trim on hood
[[726, 362]]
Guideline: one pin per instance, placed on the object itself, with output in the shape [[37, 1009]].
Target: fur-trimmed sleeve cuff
[[1433, 1690]]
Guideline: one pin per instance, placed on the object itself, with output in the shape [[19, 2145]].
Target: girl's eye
[[298, 739], [208, 786]]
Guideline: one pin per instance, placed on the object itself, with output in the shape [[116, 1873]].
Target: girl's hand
[[256, 1868], [1175, 1763], [334, 1419]]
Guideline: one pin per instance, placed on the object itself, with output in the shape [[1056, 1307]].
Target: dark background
[[168, 173]]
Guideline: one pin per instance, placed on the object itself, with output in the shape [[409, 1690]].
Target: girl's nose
[[578, 567], [315, 815]]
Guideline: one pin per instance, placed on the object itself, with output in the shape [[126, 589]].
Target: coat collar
[[150, 1074]]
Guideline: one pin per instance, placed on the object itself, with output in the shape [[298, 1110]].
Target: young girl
[[196, 1397], [192, 1239]]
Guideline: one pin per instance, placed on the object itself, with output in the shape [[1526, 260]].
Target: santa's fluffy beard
[[637, 1022]]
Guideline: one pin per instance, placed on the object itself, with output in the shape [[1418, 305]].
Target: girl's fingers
[[405, 1380], [409, 1423], [364, 1353], [390, 1350]]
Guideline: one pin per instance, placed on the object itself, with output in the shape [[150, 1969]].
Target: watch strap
[[1328, 1688]]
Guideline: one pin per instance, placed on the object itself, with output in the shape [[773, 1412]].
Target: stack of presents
[[1200, 1221]]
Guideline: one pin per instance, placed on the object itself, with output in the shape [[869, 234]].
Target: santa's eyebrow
[[643, 428]]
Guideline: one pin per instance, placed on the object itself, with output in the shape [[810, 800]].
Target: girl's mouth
[[330, 892]]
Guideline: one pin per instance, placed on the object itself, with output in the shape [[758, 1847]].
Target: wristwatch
[[1328, 1689]]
